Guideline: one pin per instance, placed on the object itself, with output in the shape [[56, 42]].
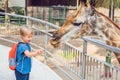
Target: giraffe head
[[83, 15]]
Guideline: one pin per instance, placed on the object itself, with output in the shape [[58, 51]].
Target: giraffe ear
[[90, 9]]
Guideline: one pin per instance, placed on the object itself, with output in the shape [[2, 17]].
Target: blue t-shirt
[[23, 62]]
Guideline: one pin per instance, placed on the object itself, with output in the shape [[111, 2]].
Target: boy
[[24, 54]]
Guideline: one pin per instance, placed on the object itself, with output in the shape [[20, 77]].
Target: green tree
[[105, 3]]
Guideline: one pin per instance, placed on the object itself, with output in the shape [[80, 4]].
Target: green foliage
[[117, 3], [105, 3], [68, 55], [17, 10]]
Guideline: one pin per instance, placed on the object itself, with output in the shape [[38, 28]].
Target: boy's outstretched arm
[[35, 53]]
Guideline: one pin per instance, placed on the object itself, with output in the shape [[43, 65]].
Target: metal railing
[[75, 62]]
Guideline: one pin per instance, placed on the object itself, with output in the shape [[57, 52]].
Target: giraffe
[[91, 21]]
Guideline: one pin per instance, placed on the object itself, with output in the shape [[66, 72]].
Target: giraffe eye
[[76, 24]]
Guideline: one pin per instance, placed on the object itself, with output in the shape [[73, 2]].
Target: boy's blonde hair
[[26, 30]]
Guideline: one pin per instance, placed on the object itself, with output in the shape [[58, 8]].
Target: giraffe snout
[[55, 43]]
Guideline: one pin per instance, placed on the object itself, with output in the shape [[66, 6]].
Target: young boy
[[24, 54]]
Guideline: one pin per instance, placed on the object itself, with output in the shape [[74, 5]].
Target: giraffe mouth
[[55, 43]]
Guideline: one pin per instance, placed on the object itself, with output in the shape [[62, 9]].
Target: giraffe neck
[[107, 29]]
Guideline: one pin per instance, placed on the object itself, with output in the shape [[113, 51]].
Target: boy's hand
[[40, 51]]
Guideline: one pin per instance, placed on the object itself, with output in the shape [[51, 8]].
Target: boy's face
[[27, 38]]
